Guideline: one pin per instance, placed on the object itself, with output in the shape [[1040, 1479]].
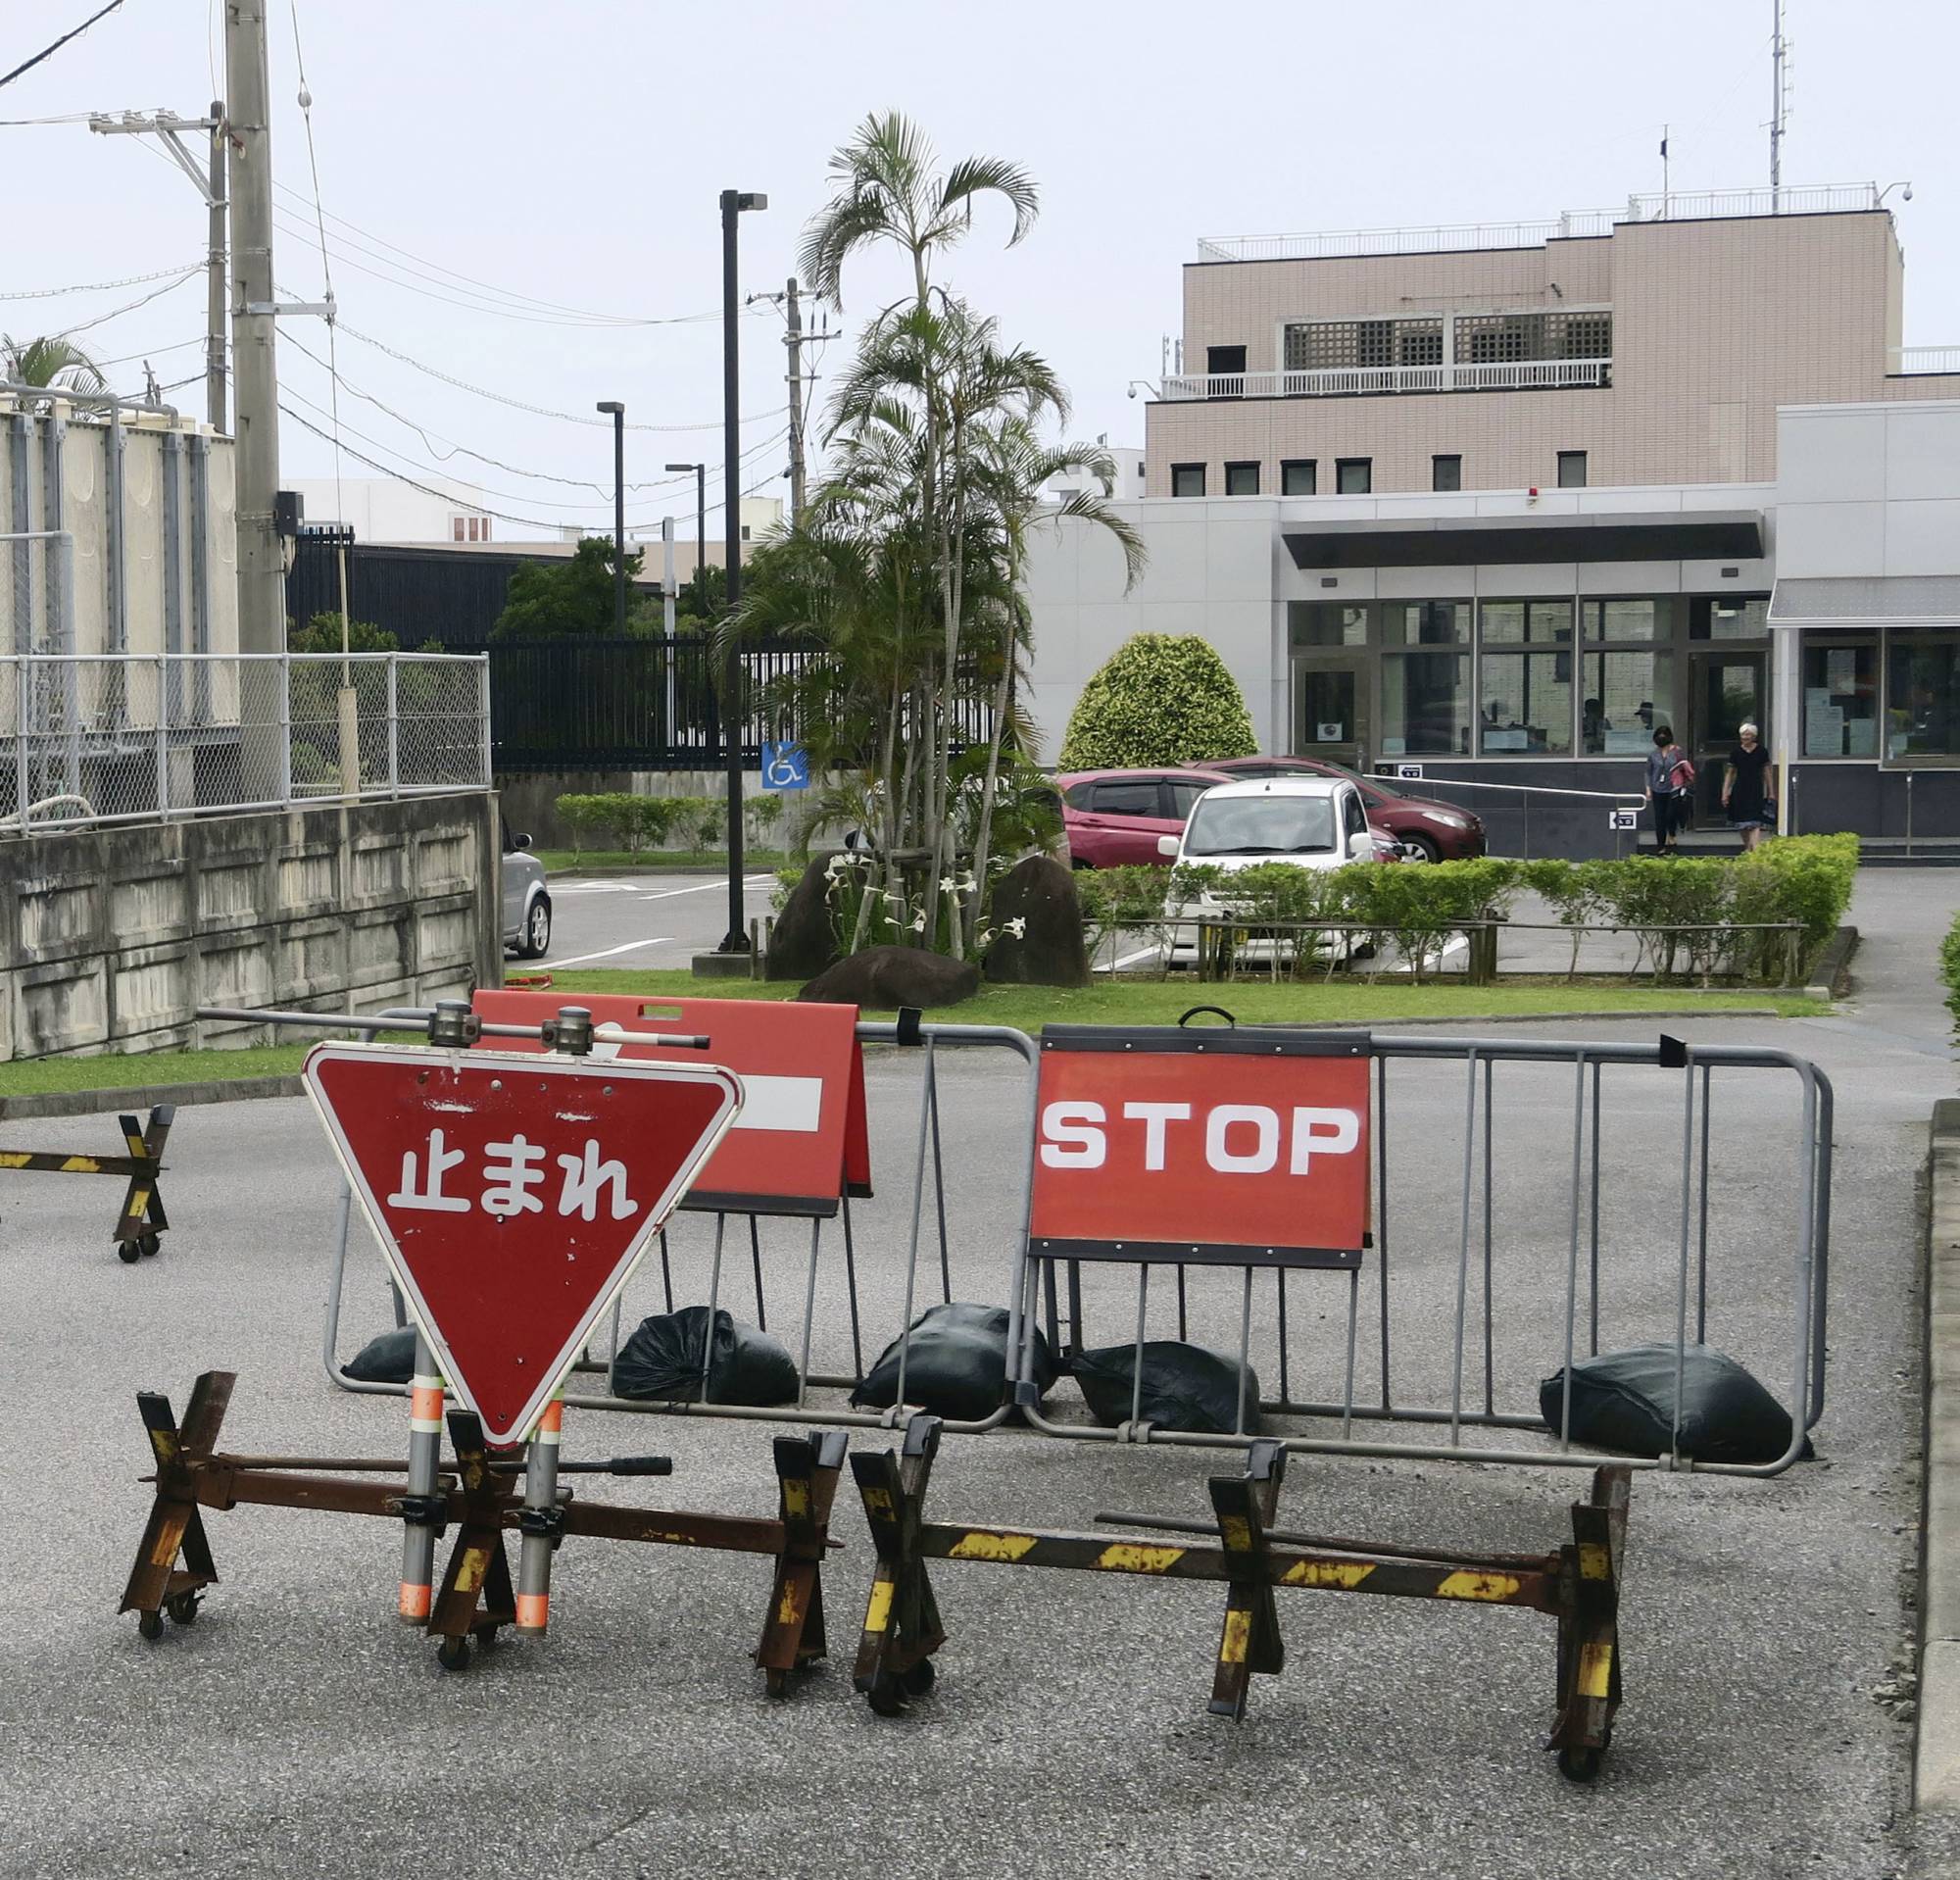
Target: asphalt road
[[643, 920], [297, 1730]]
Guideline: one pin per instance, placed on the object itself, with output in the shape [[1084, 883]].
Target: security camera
[[1133, 391], [1908, 192]]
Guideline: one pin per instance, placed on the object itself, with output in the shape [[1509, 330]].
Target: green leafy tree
[[1160, 698], [321, 634], [572, 598]]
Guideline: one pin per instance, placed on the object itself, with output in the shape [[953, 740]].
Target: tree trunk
[[983, 837]]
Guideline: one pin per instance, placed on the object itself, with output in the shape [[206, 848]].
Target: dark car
[[1114, 818], [1427, 829]]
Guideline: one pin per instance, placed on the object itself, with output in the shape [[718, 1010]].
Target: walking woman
[[1670, 777], [1748, 786]]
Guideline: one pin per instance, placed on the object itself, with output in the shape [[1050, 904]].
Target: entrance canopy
[[1458, 541], [1874, 600]]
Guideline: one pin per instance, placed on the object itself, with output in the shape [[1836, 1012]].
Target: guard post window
[[1242, 479], [1354, 475], [1298, 476], [1571, 470], [1445, 473], [1187, 479]]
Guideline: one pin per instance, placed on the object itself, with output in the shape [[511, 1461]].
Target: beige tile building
[[1649, 349]]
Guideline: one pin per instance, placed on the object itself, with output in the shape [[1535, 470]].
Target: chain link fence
[[104, 737]]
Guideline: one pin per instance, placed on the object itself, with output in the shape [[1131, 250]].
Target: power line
[[48, 52], [518, 404], [129, 307], [94, 286]]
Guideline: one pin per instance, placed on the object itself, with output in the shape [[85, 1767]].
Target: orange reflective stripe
[[532, 1610], [414, 1603], [552, 1421], [425, 1405]]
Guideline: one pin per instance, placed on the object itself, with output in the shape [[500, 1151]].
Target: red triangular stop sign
[[513, 1195]]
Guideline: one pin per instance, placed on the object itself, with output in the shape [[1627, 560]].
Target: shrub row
[[635, 822], [1949, 970], [1699, 916]]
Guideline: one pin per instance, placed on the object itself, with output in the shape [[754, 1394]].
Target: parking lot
[[298, 1729], [657, 921]]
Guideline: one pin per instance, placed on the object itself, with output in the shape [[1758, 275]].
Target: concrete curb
[[1834, 965], [1937, 1770], [135, 1097]]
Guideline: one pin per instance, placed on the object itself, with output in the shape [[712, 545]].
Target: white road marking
[[1128, 959], [631, 946], [750, 881]]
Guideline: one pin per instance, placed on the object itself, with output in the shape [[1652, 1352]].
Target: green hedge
[[1806, 879], [1160, 698], [635, 822], [1949, 970]]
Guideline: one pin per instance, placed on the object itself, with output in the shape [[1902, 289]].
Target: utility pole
[[261, 573], [168, 129], [214, 308], [794, 341], [619, 415]]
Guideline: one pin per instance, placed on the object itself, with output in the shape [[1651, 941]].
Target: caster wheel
[[919, 1679], [150, 1625], [453, 1654], [182, 1609], [128, 1252], [886, 1696], [150, 1245], [1580, 1765]]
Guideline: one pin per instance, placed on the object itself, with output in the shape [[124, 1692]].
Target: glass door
[[1725, 690], [1330, 710]]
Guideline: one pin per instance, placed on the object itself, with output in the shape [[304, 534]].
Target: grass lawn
[[1029, 1007], [698, 861]]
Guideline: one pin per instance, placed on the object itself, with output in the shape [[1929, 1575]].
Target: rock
[[804, 939], [885, 977], [1047, 951]]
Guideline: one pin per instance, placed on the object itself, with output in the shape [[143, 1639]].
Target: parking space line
[[606, 953]]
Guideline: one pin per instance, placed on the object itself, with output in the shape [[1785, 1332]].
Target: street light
[[699, 513], [733, 203], [619, 412]]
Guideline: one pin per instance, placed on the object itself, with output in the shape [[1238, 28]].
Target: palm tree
[[51, 362]]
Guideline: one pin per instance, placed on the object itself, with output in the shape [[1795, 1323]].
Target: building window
[[1571, 470], [1840, 699], [1342, 345], [1187, 479], [1494, 340], [1524, 698], [1326, 623], [1516, 622], [1242, 479], [1625, 693], [1424, 705], [1426, 623], [1354, 475], [1224, 361], [1298, 476], [1445, 473], [1739, 617], [456, 529], [1631, 619], [1922, 697]]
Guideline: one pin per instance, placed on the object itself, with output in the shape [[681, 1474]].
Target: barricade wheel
[[453, 1654], [150, 1625], [919, 1680], [128, 1252], [182, 1607], [149, 1244], [886, 1696], [1581, 1765]]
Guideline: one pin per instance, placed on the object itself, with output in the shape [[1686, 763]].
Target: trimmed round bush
[[1160, 698]]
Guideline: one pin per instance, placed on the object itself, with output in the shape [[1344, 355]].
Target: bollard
[[540, 1526], [420, 1525]]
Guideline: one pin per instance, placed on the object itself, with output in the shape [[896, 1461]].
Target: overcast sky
[[572, 153]]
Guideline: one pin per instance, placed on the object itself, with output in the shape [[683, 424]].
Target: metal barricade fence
[[840, 1325], [1468, 1283]]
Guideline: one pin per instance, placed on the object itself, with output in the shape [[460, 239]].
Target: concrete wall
[[109, 938]]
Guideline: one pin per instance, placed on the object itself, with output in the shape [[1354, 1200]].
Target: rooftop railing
[[1360, 382]]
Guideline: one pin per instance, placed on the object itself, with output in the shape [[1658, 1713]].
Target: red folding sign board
[[513, 1195], [801, 1141], [1231, 1148]]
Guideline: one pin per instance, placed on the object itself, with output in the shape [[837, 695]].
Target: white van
[[1309, 822]]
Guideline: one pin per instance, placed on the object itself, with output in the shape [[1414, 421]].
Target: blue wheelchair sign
[[785, 767]]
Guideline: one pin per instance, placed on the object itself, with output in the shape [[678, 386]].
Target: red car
[[1114, 818], [1428, 829]]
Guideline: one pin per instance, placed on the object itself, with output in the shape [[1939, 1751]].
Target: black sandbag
[[1625, 1401], [1186, 1387], [387, 1360], [663, 1360], [957, 1365]]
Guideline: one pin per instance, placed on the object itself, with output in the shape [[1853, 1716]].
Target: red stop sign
[[513, 1195]]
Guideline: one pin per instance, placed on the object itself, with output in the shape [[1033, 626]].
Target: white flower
[[951, 884], [919, 922], [1017, 926]]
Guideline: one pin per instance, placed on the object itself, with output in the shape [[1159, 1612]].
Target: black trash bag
[[1186, 1387], [387, 1360], [663, 1360], [1625, 1401], [957, 1365]]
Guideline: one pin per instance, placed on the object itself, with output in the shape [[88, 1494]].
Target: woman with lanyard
[[1745, 786], [1670, 777]]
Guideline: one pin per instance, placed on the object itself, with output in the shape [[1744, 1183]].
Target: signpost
[[513, 1195], [785, 767]]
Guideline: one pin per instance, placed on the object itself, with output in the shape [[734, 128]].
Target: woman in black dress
[[1745, 786]]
